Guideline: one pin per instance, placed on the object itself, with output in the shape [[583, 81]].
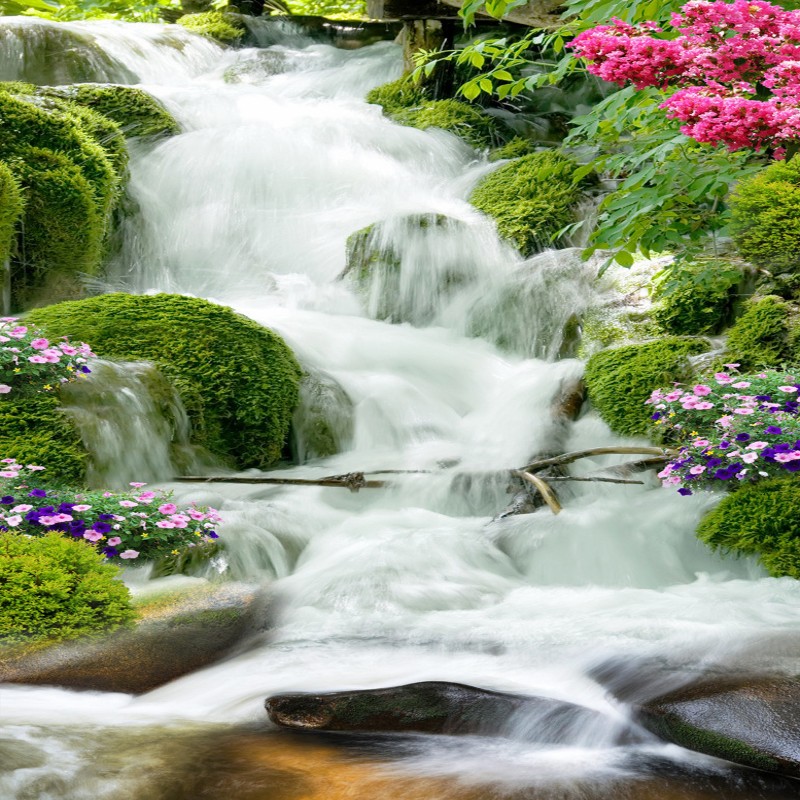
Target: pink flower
[[784, 457], [698, 470], [129, 554], [93, 536], [37, 359], [722, 377], [23, 508], [743, 410], [787, 389], [757, 445], [165, 523], [4, 388], [671, 481], [168, 508], [196, 515], [703, 405], [128, 504], [749, 458], [740, 384], [13, 520], [81, 507], [33, 467], [701, 443], [673, 395], [63, 518], [701, 390], [137, 485], [39, 344], [114, 541], [7, 473], [68, 350], [18, 332]]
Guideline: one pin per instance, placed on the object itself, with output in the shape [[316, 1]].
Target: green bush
[[57, 588], [218, 25], [697, 299], [763, 335], [759, 519], [238, 380], [619, 380], [465, 121], [399, 95], [765, 223], [10, 212], [530, 198], [516, 148], [34, 430]]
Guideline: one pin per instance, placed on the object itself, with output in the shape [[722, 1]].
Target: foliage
[[731, 427], [217, 25], [764, 221], [759, 519], [106, 519], [10, 211], [620, 380], [516, 148], [763, 335], [54, 588], [237, 380], [479, 130], [399, 95], [531, 198], [135, 11], [695, 297], [343, 9]]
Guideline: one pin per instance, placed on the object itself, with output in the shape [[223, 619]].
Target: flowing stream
[[251, 206]]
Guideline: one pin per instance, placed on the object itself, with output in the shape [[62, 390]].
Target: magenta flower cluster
[[130, 525], [730, 428], [29, 361], [735, 69]]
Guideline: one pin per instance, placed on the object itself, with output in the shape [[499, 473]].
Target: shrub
[[399, 95], [10, 212], [530, 198], [237, 379], [465, 121], [217, 25], [765, 224], [54, 588], [619, 381], [759, 519], [762, 336]]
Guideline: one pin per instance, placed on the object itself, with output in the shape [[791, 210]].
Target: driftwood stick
[[352, 481], [546, 492], [568, 458], [590, 479]]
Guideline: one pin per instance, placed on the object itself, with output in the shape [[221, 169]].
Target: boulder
[[174, 638], [750, 721], [430, 707]]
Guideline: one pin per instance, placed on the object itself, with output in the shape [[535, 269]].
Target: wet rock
[[754, 722], [323, 423], [175, 638], [430, 707]]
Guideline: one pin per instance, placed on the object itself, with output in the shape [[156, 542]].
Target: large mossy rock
[[10, 212], [531, 199], [173, 637], [765, 335], [237, 380], [759, 519], [752, 722], [476, 128], [430, 707], [221, 26], [399, 95], [619, 380]]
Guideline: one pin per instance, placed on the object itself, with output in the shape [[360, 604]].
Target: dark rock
[[430, 707], [754, 722], [323, 422], [196, 630]]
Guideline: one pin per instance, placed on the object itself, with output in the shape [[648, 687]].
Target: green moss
[[765, 224], [530, 198], [619, 381], [10, 212], [218, 25], [237, 380], [697, 300], [34, 430], [136, 112], [763, 335], [516, 148], [759, 519], [467, 122], [399, 95], [56, 588]]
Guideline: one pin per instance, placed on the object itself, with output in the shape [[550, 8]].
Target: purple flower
[[101, 527], [724, 445], [7, 500], [83, 368], [723, 474], [683, 490], [37, 493], [105, 516], [713, 462], [657, 415], [791, 466], [109, 552], [212, 535], [773, 430], [742, 437], [765, 397]]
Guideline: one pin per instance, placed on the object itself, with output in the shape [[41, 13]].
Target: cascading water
[[252, 206]]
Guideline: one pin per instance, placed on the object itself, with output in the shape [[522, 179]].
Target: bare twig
[[546, 492], [591, 479], [352, 481], [568, 458]]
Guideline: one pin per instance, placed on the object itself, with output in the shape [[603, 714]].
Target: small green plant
[[469, 123], [763, 336], [53, 588]]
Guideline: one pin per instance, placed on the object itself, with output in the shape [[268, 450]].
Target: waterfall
[[444, 363]]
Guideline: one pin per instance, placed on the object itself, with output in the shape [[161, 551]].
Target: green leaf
[[624, 258]]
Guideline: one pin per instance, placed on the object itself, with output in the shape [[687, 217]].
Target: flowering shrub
[[731, 428], [138, 524], [736, 68], [29, 362]]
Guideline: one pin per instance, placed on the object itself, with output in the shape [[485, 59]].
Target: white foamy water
[[279, 163]]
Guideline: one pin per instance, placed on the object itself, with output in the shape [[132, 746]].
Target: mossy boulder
[[468, 122], [55, 588], [765, 224], [759, 519], [531, 198], [221, 26], [237, 380], [516, 148], [10, 212], [34, 430], [399, 95], [619, 380], [764, 335]]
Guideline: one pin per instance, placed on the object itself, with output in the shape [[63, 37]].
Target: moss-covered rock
[[530, 198], [759, 519], [399, 95], [323, 424], [34, 430], [469, 123], [699, 300], [764, 335], [10, 212], [237, 380], [57, 588], [764, 221], [135, 111], [223, 27], [516, 148], [620, 380]]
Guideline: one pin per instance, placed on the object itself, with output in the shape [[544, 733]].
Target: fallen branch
[[544, 490], [591, 479], [568, 458], [352, 481]]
